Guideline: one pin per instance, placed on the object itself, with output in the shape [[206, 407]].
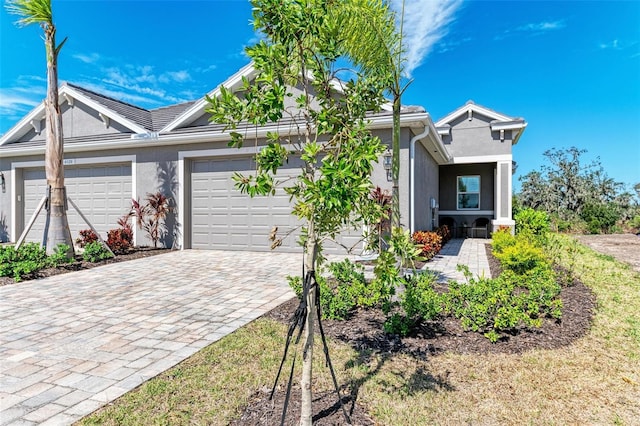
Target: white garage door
[[224, 218], [103, 194]]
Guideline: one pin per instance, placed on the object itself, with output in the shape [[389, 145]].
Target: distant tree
[[39, 12], [332, 191], [565, 186]]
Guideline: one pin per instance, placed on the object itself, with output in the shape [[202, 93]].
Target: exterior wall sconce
[[3, 183], [387, 159]]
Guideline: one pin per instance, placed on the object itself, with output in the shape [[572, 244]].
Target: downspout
[[412, 194]]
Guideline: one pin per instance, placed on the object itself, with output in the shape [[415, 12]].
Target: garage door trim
[[18, 166]]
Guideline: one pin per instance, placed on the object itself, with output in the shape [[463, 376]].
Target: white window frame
[[458, 193]]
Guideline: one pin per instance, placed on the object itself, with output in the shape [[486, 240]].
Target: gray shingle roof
[[163, 116], [138, 115]]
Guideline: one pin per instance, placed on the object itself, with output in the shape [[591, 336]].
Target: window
[[468, 192]]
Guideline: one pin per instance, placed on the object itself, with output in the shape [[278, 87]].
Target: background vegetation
[[580, 197]]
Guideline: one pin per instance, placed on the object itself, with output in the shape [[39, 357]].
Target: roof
[[498, 122], [137, 115]]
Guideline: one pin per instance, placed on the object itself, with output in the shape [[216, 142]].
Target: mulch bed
[[80, 264], [363, 331]]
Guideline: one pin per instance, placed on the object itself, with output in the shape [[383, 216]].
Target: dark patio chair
[[480, 224]]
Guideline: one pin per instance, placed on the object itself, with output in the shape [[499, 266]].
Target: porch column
[[503, 191]]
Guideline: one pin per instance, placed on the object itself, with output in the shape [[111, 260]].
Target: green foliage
[[419, 302], [502, 239], [59, 256], [534, 222], [346, 290], [29, 258], [600, 218], [565, 188], [521, 256], [95, 252], [401, 244], [494, 306]]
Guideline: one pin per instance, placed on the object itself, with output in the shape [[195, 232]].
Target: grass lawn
[[596, 380]]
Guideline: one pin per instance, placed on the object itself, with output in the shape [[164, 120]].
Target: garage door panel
[[102, 193], [224, 218], [236, 221]]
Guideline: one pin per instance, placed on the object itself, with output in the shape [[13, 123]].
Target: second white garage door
[[224, 218]]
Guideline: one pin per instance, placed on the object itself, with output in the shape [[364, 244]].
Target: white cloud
[[90, 58], [543, 26], [18, 99], [425, 24]]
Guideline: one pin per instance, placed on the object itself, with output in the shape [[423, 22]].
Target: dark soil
[[80, 264], [364, 332]]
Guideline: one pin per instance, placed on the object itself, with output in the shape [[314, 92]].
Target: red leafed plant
[[151, 216], [86, 236], [120, 240], [445, 233], [431, 243]]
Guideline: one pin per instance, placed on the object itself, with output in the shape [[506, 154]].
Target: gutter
[[429, 128], [412, 167]]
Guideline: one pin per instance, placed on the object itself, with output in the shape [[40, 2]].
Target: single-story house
[[455, 170]]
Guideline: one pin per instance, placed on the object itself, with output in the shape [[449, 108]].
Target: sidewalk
[[468, 251]]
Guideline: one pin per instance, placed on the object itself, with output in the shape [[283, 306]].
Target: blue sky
[[571, 69]]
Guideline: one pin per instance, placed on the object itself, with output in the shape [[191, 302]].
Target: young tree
[[39, 12], [328, 131], [375, 43]]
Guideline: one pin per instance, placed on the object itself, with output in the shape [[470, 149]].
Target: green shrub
[[419, 302], [502, 239], [7, 258], [521, 256], [29, 258], [95, 252], [600, 217], [534, 222], [59, 256]]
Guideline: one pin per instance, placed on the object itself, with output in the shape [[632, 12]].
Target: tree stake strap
[[298, 320]]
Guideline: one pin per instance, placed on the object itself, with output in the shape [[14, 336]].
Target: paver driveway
[[71, 343]]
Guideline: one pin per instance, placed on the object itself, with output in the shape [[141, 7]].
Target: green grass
[[596, 380]]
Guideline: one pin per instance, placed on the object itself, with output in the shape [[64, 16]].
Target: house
[[459, 168]]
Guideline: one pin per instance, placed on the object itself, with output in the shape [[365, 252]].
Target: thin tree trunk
[[58, 227], [395, 164], [306, 411]]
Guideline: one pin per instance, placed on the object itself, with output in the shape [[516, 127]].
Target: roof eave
[[198, 107]]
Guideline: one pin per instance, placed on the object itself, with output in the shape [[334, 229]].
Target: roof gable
[[497, 121], [197, 109], [469, 108], [128, 116]]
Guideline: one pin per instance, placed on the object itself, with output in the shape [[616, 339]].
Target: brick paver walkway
[[468, 251], [71, 343]]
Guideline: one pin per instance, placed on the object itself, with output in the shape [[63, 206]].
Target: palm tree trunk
[[58, 232]]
